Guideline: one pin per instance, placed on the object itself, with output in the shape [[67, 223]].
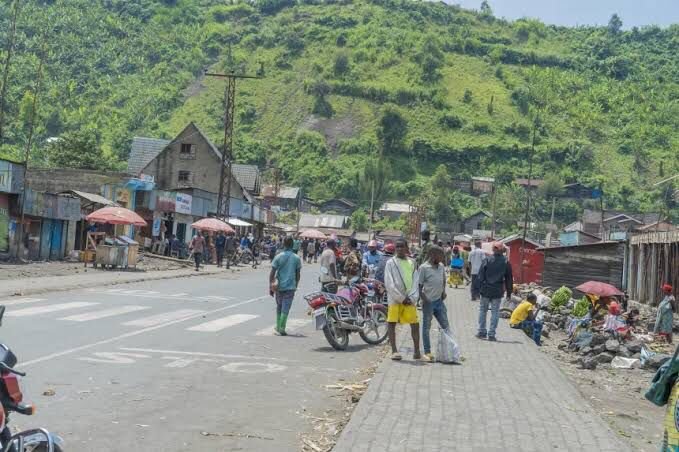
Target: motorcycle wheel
[[246, 258], [337, 337], [372, 331]]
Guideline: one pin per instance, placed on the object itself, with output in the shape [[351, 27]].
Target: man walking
[[476, 258], [305, 249], [311, 251], [372, 258], [432, 282], [400, 279], [220, 246], [329, 275], [230, 249], [197, 246], [283, 281], [422, 257], [495, 277]]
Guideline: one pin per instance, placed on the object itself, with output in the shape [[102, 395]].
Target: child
[[523, 318], [456, 267], [432, 282]]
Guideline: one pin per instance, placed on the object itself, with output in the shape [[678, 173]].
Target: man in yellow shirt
[[523, 318]]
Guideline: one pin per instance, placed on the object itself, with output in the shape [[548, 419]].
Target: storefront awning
[[237, 222], [93, 198]]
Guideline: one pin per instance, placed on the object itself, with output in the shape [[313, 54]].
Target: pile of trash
[[633, 348]]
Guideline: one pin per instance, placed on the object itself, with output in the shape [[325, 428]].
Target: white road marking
[[253, 368], [131, 334], [220, 324], [21, 301], [51, 308], [178, 363], [103, 314], [292, 325], [114, 358], [201, 354], [164, 317], [215, 298], [161, 296]]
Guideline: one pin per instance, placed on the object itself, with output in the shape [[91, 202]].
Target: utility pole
[[372, 208], [551, 218], [530, 176], [224, 198], [8, 58], [29, 143], [492, 193]]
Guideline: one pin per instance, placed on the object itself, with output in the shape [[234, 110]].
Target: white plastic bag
[[620, 362], [448, 351]]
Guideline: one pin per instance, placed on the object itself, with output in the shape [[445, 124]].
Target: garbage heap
[[629, 346]]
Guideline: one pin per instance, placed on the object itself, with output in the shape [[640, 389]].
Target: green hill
[[415, 84]]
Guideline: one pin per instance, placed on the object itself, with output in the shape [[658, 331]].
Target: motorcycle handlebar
[[5, 367]]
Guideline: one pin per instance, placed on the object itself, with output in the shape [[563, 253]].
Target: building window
[[184, 177], [187, 151]]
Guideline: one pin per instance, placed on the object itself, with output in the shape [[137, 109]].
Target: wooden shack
[[571, 266], [653, 261]]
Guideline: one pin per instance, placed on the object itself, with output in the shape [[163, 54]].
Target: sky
[[584, 12]]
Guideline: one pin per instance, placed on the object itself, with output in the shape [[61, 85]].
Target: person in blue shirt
[[283, 281], [372, 258]]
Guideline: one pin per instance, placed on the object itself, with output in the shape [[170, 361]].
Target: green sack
[[663, 381]]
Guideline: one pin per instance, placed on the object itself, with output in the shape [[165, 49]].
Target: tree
[[614, 24], [359, 220], [79, 149], [442, 211], [509, 205], [468, 96], [392, 129], [373, 183], [551, 187], [486, 10], [341, 66]]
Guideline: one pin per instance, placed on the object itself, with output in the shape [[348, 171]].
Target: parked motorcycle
[[356, 308], [11, 400]]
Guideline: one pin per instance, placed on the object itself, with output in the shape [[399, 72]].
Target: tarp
[[212, 224], [116, 215], [237, 222]]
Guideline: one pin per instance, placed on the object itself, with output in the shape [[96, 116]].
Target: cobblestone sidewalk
[[506, 396]]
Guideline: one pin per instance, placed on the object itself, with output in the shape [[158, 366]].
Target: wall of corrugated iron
[[573, 265]]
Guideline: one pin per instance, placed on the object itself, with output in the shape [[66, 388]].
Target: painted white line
[[51, 308], [164, 317], [202, 354], [132, 334], [292, 325], [103, 314], [21, 301], [183, 297], [220, 324]]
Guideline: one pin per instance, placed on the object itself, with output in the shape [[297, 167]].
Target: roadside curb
[[113, 282]]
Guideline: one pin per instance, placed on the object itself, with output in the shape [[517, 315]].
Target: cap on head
[[614, 308], [390, 248], [667, 288], [372, 244]]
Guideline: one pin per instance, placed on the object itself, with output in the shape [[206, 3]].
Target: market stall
[[111, 251]]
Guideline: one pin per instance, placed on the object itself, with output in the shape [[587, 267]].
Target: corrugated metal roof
[[322, 221], [395, 207], [247, 176], [97, 199], [283, 192], [144, 150], [483, 178]]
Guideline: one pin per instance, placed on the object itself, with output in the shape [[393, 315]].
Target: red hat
[[667, 288], [390, 248], [614, 308]]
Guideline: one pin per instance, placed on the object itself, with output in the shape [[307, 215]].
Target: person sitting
[[613, 322], [523, 318]]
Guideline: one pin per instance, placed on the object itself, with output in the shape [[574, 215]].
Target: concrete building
[[394, 210]]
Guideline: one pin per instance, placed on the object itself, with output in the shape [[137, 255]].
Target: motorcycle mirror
[[2, 313]]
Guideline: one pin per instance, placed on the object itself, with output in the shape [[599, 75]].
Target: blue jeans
[[433, 309], [284, 301], [494, 315], [532, 328]]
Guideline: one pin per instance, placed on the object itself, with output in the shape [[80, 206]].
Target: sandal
[[396, 357]]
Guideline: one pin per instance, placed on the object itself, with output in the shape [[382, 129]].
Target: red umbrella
[[214, 225], [312, 234], [116, 215], [598, 288]]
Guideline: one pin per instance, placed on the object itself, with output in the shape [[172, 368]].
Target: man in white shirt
[[476, 258], [329, 268]]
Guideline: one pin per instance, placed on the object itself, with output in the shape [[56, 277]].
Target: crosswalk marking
[[292, 325], [224, 322], [51, 308], [105, 313], [162, 318], [20, 301]]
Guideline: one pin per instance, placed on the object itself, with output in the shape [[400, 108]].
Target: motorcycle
[[11, 400], [356, 308]]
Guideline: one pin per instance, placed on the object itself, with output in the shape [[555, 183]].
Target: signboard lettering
[[183, 203]]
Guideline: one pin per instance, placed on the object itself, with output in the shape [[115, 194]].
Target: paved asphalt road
[[153, 366]]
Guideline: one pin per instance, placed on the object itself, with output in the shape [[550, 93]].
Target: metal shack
[[533, 259], [571, 266], [653, 261]]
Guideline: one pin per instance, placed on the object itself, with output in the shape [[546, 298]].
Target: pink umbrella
[[312, 234], [214, 225], [600, 289], [116, 215]]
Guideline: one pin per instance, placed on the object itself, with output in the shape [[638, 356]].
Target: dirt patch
[[616, 394], [62, 268], [333, 129], [327, 428]]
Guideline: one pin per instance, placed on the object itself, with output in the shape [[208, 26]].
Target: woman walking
[[663, 321], [456, 269]]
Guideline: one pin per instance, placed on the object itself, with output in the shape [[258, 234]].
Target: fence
[[653, 260]]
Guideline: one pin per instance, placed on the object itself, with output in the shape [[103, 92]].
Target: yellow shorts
[[402, 313]]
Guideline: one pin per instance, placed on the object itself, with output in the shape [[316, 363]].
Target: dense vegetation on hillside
[[356, 90]]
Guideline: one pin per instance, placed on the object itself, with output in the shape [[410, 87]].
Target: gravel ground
[[62, 268]]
